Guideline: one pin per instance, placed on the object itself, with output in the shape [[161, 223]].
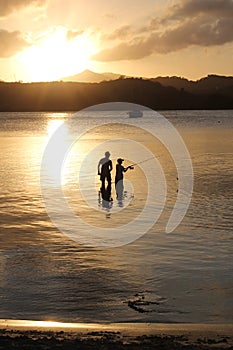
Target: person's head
[[107, 154], [120, 160]]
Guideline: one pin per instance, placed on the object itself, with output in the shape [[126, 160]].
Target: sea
[[76, 268]]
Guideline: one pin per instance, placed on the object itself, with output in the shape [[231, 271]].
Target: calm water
[[184, 276]]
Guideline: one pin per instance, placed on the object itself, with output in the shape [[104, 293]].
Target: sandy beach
[[24, 334]]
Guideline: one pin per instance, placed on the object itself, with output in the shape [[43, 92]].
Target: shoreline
[[20, 334]]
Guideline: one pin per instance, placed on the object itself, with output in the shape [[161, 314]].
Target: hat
[[120, 160]]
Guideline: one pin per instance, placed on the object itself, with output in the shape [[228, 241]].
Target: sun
[[57, 56]]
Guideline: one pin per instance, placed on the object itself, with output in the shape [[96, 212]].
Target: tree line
[[73, 96]]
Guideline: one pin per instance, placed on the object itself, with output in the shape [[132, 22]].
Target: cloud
[[198, 7], [125, 51], [205, 34], [9, 6], [123, 31], [72, 34], [186, 23], [11, 43], [110, 16]]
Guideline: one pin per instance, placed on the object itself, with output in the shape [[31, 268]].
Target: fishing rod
[[143, 161]]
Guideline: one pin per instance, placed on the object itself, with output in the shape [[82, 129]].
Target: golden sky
[[42, 40]]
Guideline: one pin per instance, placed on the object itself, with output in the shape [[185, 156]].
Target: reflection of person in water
[[104, 170], [105, 195], [120, 170]]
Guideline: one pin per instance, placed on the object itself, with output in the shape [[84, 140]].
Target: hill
[[88, 76], [69, 96], [207, 85]]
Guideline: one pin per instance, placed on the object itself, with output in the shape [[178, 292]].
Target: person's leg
[[109, 180], [119, 189], [103, 181]]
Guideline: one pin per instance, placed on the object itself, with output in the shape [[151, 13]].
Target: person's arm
[[110, 165], [128, 167], [100, 163]]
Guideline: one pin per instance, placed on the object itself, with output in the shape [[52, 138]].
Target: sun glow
[[57, 56]]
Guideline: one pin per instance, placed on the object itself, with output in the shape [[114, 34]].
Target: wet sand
[[35, 335]]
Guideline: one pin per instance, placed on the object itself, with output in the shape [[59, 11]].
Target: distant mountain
[[210, 84], [87, 76]]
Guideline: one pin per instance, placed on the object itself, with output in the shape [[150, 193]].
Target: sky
[[44, 40]]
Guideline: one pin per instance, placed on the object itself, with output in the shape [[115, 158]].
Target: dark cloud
[[11, 43], [72, 34], [196, 32], [125, 51], [202, 7], [188, 22], [8, 6], [119, 33]]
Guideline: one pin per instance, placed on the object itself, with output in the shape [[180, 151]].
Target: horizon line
[[120, 76]]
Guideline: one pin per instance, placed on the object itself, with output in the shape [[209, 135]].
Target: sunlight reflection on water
[[44, 275]]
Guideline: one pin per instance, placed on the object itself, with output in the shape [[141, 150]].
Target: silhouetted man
[[104, 170]]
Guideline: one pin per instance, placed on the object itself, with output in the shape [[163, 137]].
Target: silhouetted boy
[[120, 170]]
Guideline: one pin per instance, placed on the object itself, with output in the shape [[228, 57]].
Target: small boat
[[135, 114]]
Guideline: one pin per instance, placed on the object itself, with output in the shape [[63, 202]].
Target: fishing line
[[143, 161]]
